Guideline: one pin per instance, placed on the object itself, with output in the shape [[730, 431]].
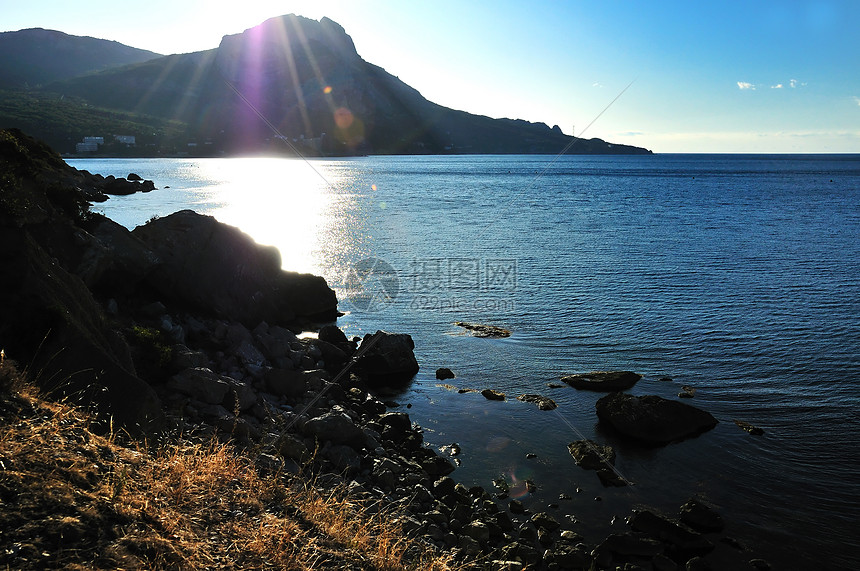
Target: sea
[[737, 276]]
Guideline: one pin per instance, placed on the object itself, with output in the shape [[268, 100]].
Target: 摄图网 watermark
[[438, 284]]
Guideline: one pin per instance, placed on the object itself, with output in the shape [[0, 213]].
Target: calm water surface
[[737, 275]]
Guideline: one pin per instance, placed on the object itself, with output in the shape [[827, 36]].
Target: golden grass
[[74, 499]]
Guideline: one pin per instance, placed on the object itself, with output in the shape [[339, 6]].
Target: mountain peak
[[278, 42]]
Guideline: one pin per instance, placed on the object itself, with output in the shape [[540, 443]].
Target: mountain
[[298, 85], [35, 56]]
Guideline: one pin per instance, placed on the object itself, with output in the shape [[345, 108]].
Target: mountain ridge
[[296, 84], [69, 56]]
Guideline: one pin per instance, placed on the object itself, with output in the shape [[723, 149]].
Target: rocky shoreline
[[185, 324]]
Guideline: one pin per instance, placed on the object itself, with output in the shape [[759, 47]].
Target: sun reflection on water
[[288, 203]]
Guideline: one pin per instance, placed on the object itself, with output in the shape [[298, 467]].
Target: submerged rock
[[590, 455], [653, 419], [544, 403], [700, 517], [607, 381], [480, 330], [746, 426], [687, 392], [679, 539], [491, 394]]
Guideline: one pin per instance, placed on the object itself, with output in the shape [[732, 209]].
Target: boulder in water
[[606, 381], [652, 419]]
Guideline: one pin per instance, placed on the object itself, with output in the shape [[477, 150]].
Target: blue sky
[[752, 76]]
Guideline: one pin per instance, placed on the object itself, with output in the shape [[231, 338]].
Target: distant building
[[86, 147], [128, 140], [89, 144]]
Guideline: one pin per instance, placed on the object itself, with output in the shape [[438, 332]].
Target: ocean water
[[738, 275]]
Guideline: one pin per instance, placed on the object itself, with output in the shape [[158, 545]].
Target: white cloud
[[777, 86], [857, 100], [746, 85], [793, 83], [596, 84]]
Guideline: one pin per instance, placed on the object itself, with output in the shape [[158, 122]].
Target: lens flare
[[343, 118], [498, 443], [521, 484], [327, 89]]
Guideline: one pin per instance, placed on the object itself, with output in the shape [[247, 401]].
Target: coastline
[[220, 372]]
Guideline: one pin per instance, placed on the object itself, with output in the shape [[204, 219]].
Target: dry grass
[[74, 499]]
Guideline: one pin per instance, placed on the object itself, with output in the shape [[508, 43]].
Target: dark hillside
[[33, 57]]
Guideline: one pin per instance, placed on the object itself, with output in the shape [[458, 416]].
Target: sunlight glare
[[281, 202]]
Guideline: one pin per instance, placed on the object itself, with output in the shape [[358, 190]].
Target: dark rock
[[444, 486], [479, 330], [606, 381], [516, 507], [609, 478], [652, 419], [663, 563], [698, 564], [746, 426], [571, 557], [51, 320], [503, 520], [332, 334], [399, 422], [333, 356], [184, 358], [734, 543], [386, 358], [201, 384], [343, 458], [372, 406], [126, 259], [543, 520], [452, 449], [243, 281], [632, 544], [681, 539], [544, 403], [437, 466], [134, 177], [687, 392], [291, 447], [120, 186], [590, 455], [241, 396], [288, 383], [701, 517], [491, 394], [444, 373], [334, 427], [477, 530]]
